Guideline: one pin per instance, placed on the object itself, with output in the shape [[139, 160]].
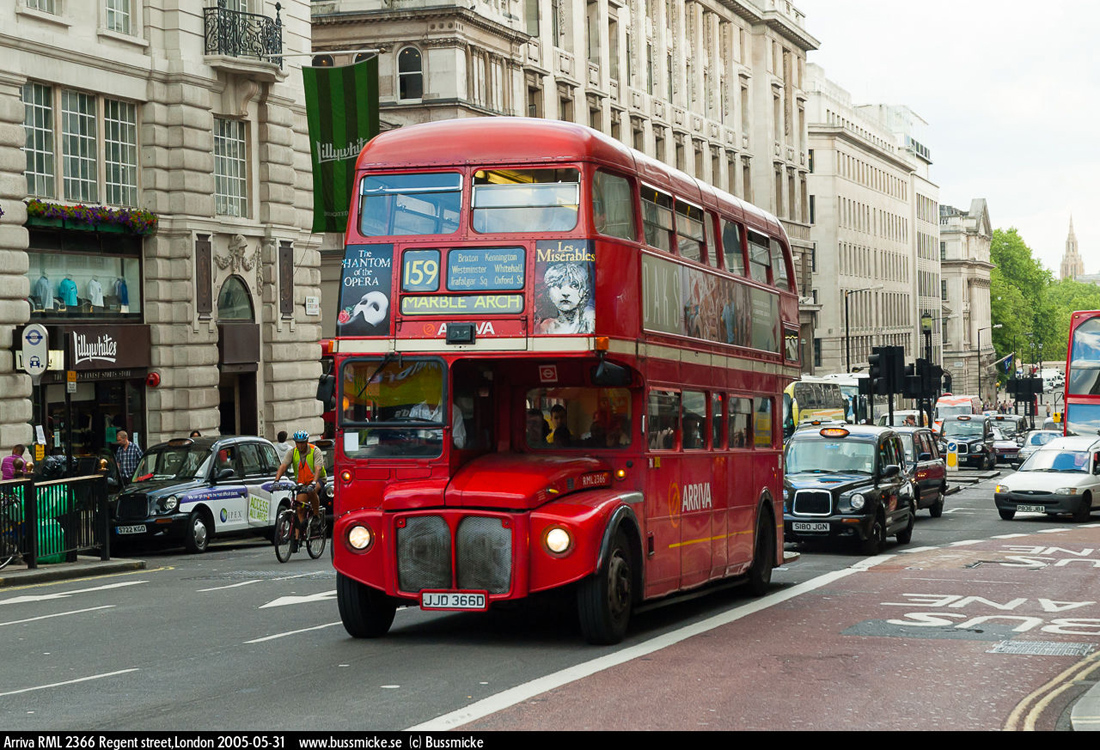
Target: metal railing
[[237, 34], [54, 521]]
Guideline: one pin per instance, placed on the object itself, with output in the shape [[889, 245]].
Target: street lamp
[[991, 329], [847, 333]]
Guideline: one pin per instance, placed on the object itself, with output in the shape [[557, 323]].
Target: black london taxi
[[847, 483], [926, 467], [189, 490], [971, 437]]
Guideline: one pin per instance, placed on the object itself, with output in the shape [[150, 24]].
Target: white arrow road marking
[[67, 682], [59, 614], [283, 601], [66, 594]]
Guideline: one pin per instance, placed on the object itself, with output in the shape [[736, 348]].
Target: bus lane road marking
[[66, 594], [68, 682], [58, 614], [529, 690]]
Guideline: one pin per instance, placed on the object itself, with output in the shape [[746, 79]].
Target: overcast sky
[[1011, 94]]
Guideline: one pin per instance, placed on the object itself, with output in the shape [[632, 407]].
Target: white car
[[1063, 476]]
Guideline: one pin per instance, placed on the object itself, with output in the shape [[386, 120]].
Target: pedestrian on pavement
[[195, 434], [7, 466], [128, 454], [281, 445]]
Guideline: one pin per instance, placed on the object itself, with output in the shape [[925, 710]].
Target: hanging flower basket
[[91, 218]]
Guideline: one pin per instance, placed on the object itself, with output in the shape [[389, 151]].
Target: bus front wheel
[[605, 598], [365, 612]]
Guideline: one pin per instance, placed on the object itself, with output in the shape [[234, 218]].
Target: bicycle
[[310, 530], [11, 522]]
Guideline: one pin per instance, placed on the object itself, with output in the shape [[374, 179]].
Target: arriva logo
[[696, 497]]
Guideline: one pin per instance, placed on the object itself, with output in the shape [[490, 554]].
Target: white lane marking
[[66, 594], [67, 682], [529, 690], [283, 601], [230, 586], [289, 578], [59, 614], [293, 632], [966, 543]]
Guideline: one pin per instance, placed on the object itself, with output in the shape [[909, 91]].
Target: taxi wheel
[[605, 598], [197, 537], [876, 539], [366, 612], [906, 535]]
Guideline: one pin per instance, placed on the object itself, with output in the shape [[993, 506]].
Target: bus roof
[[530, 141]]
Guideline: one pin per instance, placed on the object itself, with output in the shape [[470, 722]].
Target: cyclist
[[306, 462]]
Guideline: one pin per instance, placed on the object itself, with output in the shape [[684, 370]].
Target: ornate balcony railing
[[236, 34]]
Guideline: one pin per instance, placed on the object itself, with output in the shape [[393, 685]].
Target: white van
[[1052, 379]]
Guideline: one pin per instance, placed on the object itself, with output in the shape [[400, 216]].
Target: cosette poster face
[[366, 290]]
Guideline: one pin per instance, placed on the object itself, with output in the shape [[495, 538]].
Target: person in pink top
[[8, 466]]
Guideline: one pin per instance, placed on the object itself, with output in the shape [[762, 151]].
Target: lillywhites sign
[[103, 349]]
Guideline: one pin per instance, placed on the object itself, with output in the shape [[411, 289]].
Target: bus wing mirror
[[326, 391], [610, 375]]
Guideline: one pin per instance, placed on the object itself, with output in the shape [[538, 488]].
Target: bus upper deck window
[[657, 218], [779, 266], [402, 204], [731, 247], [613, 206], [689, 231], [526, 200]]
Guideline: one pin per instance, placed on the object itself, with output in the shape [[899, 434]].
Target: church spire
[[1072, 263]]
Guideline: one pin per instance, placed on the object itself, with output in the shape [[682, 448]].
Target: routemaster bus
[[1082, 385], [558, 364]]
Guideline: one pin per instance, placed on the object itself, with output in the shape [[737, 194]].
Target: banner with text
[[342, 111]]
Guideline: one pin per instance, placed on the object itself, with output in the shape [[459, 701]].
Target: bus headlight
[[360, 538], [558, 540], [857, 501]]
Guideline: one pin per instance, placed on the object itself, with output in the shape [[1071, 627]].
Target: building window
[[46, 6], [118, 16], [38, 124], [82, 118], [78, 146], [235, 301], [120, 152], [410, 75], [230, 168]]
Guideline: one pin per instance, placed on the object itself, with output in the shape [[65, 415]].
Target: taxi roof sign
[[834, 432]]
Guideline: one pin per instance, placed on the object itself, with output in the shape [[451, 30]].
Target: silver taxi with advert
[[847, 483], [1062, 476], [190, 490]]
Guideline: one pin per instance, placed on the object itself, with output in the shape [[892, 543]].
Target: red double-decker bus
[[559, 363], [1082, 385]]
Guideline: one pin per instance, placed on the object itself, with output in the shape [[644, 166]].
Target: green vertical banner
[[342, 111]]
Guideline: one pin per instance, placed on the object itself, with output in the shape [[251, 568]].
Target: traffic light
[[912, 385], [876, 371]]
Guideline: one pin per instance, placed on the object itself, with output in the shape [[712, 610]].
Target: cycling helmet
[[301, 436]]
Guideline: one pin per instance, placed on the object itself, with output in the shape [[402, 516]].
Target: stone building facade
[[714, 88], [965, 240], [165, 107], [874, 220]]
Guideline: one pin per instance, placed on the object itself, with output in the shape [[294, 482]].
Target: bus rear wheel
[[365, 612], [605, 598]]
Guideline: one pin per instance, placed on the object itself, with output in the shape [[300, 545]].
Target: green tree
[[1020, 300]]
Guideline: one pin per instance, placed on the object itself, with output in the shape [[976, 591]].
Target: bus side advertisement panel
[[366, 291]]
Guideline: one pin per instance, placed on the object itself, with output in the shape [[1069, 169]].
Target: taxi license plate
[[1031, 508], [139, 529], [454, 600], [809, 526]]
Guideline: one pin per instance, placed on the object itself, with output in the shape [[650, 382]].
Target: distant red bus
[[559, 363], [1082, 387]]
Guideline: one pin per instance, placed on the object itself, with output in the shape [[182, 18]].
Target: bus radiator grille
[[484, 555], [424, 554], [812, 503]]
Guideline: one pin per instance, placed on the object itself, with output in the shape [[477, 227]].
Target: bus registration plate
[[1031, 508], [454, 600], [810, 526]]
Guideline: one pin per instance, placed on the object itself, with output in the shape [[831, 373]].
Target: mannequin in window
[[95, 292]]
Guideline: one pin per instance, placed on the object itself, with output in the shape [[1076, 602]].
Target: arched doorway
[[238, 359]]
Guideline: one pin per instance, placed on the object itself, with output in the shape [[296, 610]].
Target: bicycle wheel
[[284, 527], [315, 537]]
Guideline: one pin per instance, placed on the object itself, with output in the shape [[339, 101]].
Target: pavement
[[1084, 715]]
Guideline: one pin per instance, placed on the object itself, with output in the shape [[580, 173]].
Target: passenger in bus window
[[559, 436], [568, 288], [537, 429]]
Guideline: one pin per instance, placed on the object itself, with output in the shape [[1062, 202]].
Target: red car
[[926, 468]]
